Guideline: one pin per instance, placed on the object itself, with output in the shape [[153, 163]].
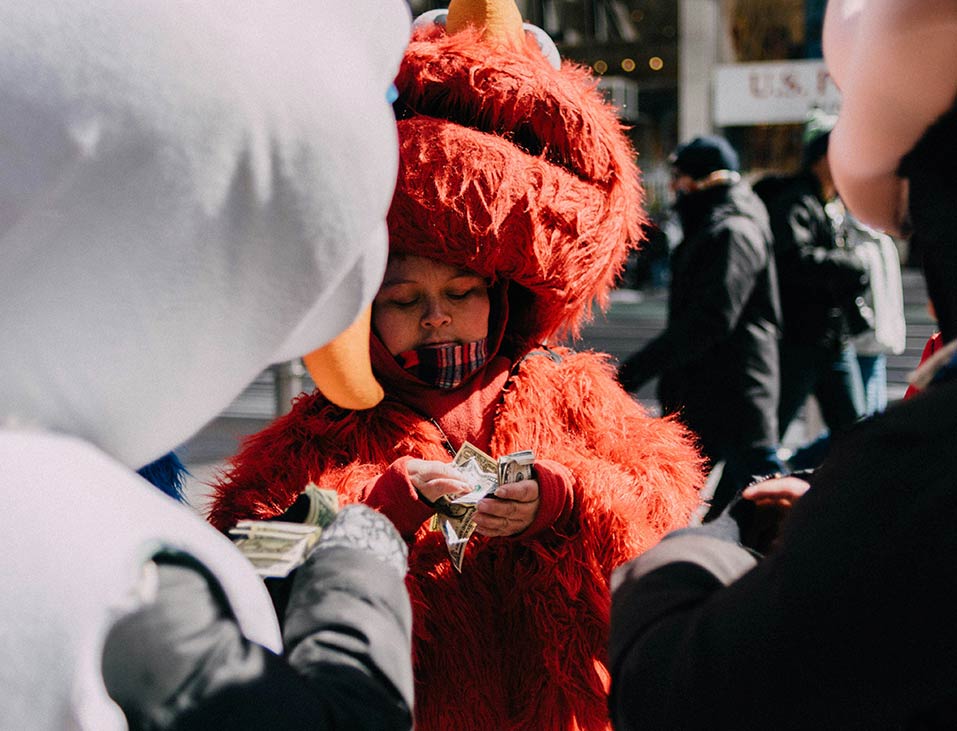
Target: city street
[[632, 319]]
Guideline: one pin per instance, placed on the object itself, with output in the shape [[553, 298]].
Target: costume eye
[[545, 43], [432, 17]]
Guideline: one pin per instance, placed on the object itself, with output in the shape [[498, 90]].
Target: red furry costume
[[518, 639]]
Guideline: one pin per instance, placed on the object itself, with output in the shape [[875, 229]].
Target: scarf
[[445, 366]]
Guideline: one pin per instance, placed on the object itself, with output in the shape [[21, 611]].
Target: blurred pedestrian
[[882, 307], [820, 281], [717, 357], [848, 621]]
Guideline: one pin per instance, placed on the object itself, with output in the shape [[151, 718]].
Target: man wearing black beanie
[[718, 356], [847, 622]]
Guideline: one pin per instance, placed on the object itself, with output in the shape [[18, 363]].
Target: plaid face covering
[[445, 366]]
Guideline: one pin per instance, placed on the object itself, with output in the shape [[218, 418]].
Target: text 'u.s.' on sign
[[772, 92]]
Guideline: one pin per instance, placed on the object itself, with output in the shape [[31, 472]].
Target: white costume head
[[188, 193]]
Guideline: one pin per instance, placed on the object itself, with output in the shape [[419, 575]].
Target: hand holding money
[[276, 547], [509, 511], [433, 480], [501, 498]]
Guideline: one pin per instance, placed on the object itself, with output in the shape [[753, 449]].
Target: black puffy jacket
[[718, 356], [819, 278]]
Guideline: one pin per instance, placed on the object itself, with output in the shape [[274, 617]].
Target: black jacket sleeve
[[806, 251], [182, 662], [845, 625], [348, 633], [721, 280]]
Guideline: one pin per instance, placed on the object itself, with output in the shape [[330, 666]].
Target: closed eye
[[466, 294], [398, 302]]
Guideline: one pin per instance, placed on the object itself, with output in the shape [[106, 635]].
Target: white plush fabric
[[885, 292], [78, 528], [190, 190]]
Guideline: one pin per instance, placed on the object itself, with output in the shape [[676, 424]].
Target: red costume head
[[513, 168]]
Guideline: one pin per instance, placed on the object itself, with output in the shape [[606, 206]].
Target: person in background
[[876, 321], [717, 357], [882, 302], [497, 246], [189, 192], [819, 282], [846, 622]]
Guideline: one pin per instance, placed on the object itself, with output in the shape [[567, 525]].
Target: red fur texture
[[522, 173], [516, 170], [517, 640]]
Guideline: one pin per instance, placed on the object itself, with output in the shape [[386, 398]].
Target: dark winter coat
[[180, 663], [819, 278], [847, 624], [718, 356]]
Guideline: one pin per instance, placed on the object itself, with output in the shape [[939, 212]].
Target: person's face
[[424, 302], [681, 184]]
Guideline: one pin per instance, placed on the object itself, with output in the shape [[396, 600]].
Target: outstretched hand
[[510, 511], [764, 508], [780, 492]]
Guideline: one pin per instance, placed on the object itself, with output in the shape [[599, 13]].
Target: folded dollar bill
[[485, 473], [515, 467], [273, 547], [276, 547], [323, 505]]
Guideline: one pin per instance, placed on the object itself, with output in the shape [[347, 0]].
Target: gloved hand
[[361, 527]]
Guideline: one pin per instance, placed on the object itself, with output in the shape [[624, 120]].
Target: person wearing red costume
[[517, 203]]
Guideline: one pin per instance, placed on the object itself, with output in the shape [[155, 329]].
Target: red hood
[[516, 170]]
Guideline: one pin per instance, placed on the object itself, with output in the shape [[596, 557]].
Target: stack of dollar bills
[[275, 548], [485, 474]]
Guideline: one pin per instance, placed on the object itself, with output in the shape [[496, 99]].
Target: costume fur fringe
[[528, 652], [519, 172]]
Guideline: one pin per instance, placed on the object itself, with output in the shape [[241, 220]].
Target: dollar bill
[[484, 473], [457, 535], [483, 482], [323, 505], [469, 451], [274, 548], [515, 467]]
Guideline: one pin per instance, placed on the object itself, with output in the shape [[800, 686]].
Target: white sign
[[772, 92]]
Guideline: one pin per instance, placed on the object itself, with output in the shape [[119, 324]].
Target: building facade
[[673, 66]]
